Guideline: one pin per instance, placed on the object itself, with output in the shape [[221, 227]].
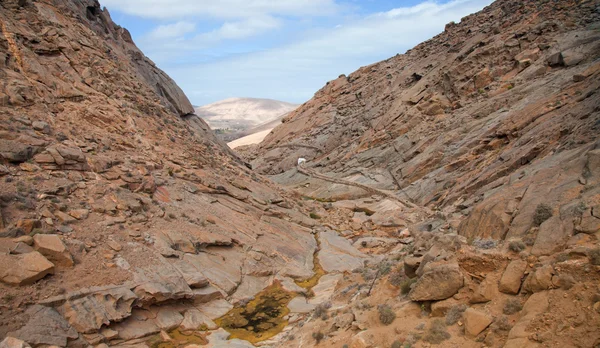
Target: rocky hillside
[[114, 197], [237, 117], [471, 121]]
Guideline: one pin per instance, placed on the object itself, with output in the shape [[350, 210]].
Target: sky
[[277, 49]]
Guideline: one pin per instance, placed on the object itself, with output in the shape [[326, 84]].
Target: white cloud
[[168, 9], [169, 31], [295, 71], [240, 29]]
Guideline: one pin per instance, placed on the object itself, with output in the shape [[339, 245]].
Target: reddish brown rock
[[24, 269], [51, 246]]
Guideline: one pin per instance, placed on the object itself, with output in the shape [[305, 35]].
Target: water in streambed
[[256, 320]]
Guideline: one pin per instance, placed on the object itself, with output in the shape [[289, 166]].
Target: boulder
[[53, 248], [411, 264], [556, 60], [343, 321], [440, 308], [552, 237], [11, 342], [24, 269], [15, 152], [485, 291], [45, 327], [438, 282], [510, 283], [539, 280], [476, 321]]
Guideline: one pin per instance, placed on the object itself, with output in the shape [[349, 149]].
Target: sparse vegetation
[[594, 256], [386, 314], [318, 336], [397, 344], [321, 310], [406, 284], [437, 332], [516, 246], [455, 313], [512, 306], [484, 243], [315, 216], [396, 277], [542, 213], [501, 324], [385, 268], [8, 297]]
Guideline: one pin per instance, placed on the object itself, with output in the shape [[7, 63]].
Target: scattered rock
[[539, 280]]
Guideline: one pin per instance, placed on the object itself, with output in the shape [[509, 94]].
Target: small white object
[[301, 160]]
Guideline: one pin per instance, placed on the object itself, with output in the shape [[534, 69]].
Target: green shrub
[[386, 314], [512, 306], [455, 313], [437, 332], [542, 213], [315, 216]]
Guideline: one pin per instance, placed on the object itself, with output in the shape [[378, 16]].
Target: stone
[[90, 309], [41, 127], [11, 342], [15, 151], [486, 291], [510, 283], [440, 308], [411, 264], [194, 278], [539, 280], [438, 282], [28, 225], [552, 237], [193, 319], [556, 60], [45, 327], [206, 294], [24, 269], [300, 304], [114, 245], [215, 309], [79, 214], [51, 246], [475, 321], [21, 248], [64, 217], [168, 319], [343, 321]]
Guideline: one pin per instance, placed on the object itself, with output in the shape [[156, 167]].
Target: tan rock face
[[24, 269], [51, 246]]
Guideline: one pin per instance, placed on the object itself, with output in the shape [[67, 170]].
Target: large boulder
[[439, 282], [25, 268], [539, 280], [510, 283], [53, 248]]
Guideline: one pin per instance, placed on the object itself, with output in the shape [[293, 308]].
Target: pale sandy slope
[[254, 138]]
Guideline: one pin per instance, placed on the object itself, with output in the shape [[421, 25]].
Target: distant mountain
[[232, 118]]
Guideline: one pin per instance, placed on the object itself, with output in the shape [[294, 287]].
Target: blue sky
[[277, 49]]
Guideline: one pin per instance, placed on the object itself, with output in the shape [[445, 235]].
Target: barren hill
[[235, 117]]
